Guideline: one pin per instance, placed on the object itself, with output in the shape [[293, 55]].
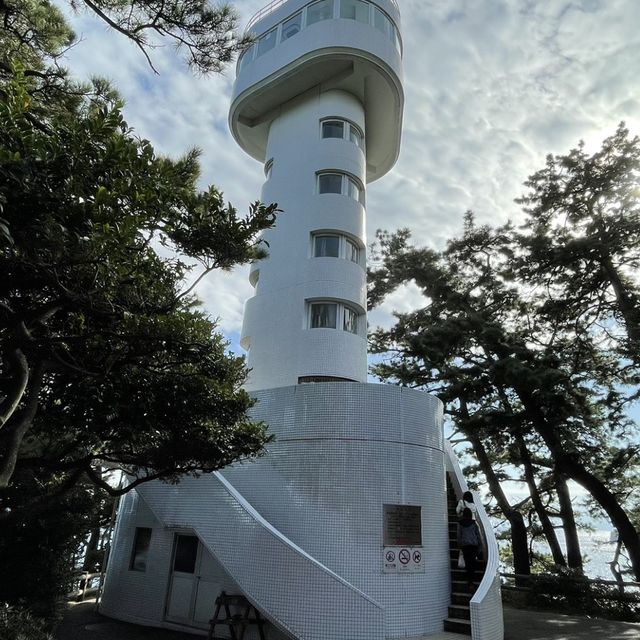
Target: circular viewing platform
[[302, 47]]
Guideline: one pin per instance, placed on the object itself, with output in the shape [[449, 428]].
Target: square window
[[333, 129], [355, 10], [324, 315], [291, 26], [318, 11], [267, 41], [353, 252], [140, 551], [350, 320], [355, 136], [326, 247], [330, 183], [186, 554]]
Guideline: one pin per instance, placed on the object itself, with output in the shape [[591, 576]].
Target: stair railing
[[282, 585], [486, 604]]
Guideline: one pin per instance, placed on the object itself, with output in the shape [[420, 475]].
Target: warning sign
[[402, 560]]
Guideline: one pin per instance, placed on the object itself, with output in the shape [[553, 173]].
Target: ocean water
[[597, 550]]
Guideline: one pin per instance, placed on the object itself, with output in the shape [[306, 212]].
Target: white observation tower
[[341, 530], [318, 99]]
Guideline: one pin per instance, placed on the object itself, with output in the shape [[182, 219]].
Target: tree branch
[[15, 432], [124, 32], [21, 376]]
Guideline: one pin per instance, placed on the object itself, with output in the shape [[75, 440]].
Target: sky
[[491, 87]]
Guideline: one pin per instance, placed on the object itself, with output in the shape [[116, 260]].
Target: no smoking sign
[[403, 560]]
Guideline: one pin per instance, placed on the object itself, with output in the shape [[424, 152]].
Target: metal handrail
[[266, 10], [274, 4]]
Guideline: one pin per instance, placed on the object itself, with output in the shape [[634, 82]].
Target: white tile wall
[[342, 451]]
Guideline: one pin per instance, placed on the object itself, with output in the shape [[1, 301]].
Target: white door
[[195, 583]]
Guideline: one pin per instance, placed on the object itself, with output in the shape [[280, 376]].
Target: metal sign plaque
[[402, 525]]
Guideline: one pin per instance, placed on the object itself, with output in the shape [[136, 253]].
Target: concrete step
[[460, 597], [453, 557], [460, 612], [458, 626], [460, 586], [461, 574]]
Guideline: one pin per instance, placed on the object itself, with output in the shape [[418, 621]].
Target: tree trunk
[[19, 369], [627, 306], [565, 463], [574, 554], [545, 521], [519, 544], [91, 552], [18, 425]]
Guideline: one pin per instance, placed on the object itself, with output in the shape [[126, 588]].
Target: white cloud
[[491, 88]]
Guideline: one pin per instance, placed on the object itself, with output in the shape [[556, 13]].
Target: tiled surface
[[134, 595], [322, 485], [282, 347], [486, 616]]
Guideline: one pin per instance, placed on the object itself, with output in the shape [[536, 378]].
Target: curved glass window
[[334, 315], [267, 41], [318, 11], [324, 315], [382, 23], [333, 129], [350, 320], [355, 10], [334, 245], [355, 135], [330, 183], [342, 184], [342, 130], [353, 251], [353, 189], [325, 246], [291, 26]]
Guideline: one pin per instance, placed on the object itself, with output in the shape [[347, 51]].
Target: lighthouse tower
[[341, 530]]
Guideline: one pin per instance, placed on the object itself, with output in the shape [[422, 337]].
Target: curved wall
[[335, 53], [342, 451], [282, 346]]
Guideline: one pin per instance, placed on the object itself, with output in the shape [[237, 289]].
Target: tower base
[[339, 532]]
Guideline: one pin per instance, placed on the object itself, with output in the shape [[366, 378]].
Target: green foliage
[[556, 593], [18, 623], [528, 336], [106, 362], [204, 32], [32, 32], [582, 238], [133, 377], [37, 547]]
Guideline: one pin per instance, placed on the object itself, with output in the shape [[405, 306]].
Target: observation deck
[[302, 47]]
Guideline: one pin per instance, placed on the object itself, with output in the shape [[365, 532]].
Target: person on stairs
[[467, 503], [469, 544]]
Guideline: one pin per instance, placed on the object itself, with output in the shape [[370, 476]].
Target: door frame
[[174, 545]]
